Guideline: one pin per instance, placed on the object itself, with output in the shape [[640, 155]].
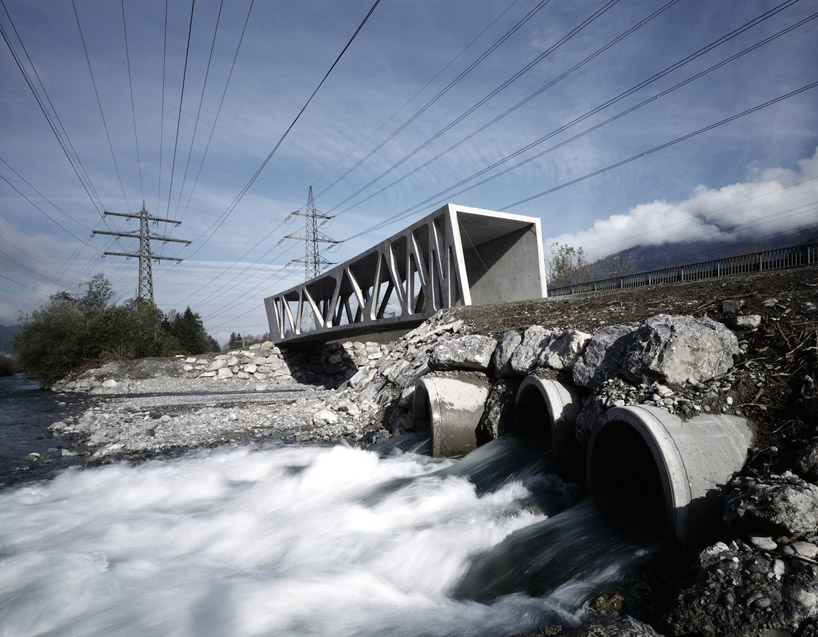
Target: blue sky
[[746, 178]]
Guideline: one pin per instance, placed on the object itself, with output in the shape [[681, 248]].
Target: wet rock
[[32, 457], [615, 626], [504, 351], [674, 349], [784, 505], [470, 352], [739, 591], [602, 357]]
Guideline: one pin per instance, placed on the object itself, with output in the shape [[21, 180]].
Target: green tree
[[52, 339]]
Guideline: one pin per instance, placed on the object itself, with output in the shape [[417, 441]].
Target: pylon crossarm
[[129, 215]]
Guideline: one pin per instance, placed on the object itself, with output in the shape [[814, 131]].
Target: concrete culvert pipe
[[449, 407], [549, 408], [656, 466]]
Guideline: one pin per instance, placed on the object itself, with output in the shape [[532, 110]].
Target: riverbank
[[760, 572]]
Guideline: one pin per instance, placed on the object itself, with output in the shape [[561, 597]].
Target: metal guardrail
[[778, 259]]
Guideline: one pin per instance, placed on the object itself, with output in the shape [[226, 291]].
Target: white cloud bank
[[772, 201]]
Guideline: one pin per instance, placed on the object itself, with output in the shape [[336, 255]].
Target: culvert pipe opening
[[548, 409], [668, 473], [450, 407]]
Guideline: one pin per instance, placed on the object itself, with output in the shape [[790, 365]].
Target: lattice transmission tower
[[145, 255], [312, 237]]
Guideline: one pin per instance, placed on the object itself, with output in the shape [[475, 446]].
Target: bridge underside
[[454, 256]]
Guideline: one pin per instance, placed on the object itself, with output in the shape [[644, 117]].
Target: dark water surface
[[26, 411]]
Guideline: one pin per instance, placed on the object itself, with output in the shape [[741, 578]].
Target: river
[[292, 540]]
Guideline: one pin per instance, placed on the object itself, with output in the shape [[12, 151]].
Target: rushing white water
[[248, 541]]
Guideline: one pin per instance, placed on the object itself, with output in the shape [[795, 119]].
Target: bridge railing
[[778, 259]]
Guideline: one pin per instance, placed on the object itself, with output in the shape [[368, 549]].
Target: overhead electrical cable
[[223, 217], [57, 128], [162, 107], [199, 111], [597, 109], [219, 109], [133, 107], [672, 142], [181, 101], [99, 102], [516, 27], [27, 183], [276, 227], [50, 218], [510, 110], [504, 85]]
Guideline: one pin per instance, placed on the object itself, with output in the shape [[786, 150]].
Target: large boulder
[[676, 349], [508, 344], [783, 505], [602, 358], [470, 352], [563, 349], [527, 355]]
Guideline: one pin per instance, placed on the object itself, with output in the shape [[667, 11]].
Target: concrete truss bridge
[[454, 256]]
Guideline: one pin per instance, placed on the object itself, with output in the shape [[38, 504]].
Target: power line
[[513, 108], [663, 146], [527, 67], [99, 102], [687, 59], [219, 109], [133, 108], [516, 27], [162, 105], [199, 110], [273, 230], [181, 101], [223, 217], [62, 139], [27, 183]]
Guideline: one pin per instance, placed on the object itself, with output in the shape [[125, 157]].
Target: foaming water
[[259, 542]]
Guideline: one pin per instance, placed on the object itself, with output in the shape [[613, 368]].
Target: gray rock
[[324, 417], [470, 352], [592, 410], [745, 322], [602, 357], [740, 591], [504, 351], [673, 349], [498, 415], [785, 505], [732, 306], [110, 383], [527, 354], [564, 349], [807, 462]]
